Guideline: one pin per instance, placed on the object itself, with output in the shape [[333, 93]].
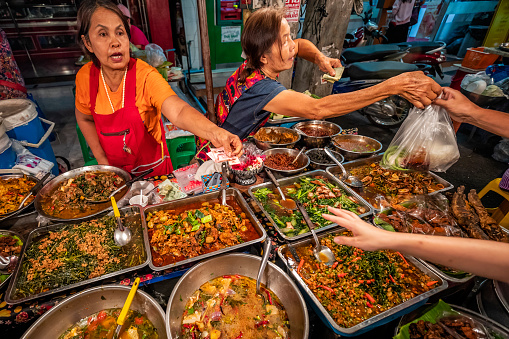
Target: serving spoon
[[127, 184], [122, 235], [125, 309], [35, 189], [298, 155], [223, 185], [286, 203], [350, 180], [266, 252], [322, 253]]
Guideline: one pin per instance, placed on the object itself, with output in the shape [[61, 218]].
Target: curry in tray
[[12, 193], [228, 307], [196, 229], [75, 253], [360, 284], [75, 197]]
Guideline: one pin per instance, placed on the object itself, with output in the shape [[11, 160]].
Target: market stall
[[186, 237]]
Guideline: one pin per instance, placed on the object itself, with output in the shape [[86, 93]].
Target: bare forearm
[[307, 50], [480, 257], [191, 120], [490, 120], [87, 127]]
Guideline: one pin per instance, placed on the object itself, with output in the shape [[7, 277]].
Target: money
[[219, 155]]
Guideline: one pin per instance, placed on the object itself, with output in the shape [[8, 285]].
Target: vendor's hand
[[231, 142], [327, 65], [459, 107], [416, 87], [365, 236]]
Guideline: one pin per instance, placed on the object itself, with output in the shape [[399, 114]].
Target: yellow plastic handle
[[115, 208], [127, 305]]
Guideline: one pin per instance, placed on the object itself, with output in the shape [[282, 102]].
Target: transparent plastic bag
[[155, 55], [426, 141]]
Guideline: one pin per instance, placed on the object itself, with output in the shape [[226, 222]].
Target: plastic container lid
[[17, 112]]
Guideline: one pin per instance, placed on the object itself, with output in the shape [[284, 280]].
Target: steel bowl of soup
[[317, 133], [217, 299], [92, 311], [356, 146]]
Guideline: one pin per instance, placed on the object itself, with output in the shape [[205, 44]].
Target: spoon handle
[[308, 221], [298, 154], [274, 181], [328, 152], [223, 183], [129, 300], [265, 258]]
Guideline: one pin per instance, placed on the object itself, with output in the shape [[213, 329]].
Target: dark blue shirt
[[247, 112]]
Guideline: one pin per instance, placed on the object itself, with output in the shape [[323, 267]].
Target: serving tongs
[[35, 189], [322, 253], [127, 184]]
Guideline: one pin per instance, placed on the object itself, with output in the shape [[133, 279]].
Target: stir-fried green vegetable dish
[[315, 193]]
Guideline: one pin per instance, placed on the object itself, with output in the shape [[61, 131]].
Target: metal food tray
[[12, 234], [287, 181], [19, 210], [333, 170], [55, 182], [133, 212], [375, 321], [216, 195]]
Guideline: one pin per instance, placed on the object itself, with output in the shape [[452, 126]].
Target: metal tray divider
[[46, 229], [295, 178], [371, 322], [202, 198]]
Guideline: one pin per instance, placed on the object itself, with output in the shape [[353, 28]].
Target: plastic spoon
[[286, 203], [322, 253], [125, 309], [350, 180], [122, 234]]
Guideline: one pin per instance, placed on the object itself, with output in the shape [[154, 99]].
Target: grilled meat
[[466, 217], [488, 224]]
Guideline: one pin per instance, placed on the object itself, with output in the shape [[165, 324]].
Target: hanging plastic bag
[[155, 55], [425, 142]]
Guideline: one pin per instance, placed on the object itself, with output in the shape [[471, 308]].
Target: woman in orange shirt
[[119, 100]]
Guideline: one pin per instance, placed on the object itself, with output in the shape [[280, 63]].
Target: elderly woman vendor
[[253, 90], [119, 100]]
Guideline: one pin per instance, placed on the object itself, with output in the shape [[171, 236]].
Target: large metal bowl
[[50, 186], [243, 264], [317, 142], [19, 210], [482, 100], [302, 161], [78, 306], [361, 140], [265, 145], [320, 165]]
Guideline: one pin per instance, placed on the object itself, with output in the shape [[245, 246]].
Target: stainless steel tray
[[374, 321], [18, 211], [230, 192], [334, 170], [502, 291], [131, 212], [12, 234], [291, 180], [50, 186]]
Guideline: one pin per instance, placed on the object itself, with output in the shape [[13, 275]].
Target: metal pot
[[323, 166], [18, 211], [265, 145], [302, 162], [361, 140], [50, 186], [243, 264], [317, 142], [78, 306]]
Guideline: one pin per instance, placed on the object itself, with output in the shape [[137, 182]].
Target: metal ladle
[[286, 203], [322, 253], [350, 180], [122, 235], [266, 252]]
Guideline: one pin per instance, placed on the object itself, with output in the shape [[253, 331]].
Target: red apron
[[123, 135]]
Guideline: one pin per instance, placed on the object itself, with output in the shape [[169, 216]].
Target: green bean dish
[[315, 193], [75, 253]]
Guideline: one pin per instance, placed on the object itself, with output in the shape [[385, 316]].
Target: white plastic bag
[[155, 55], [425, 141]]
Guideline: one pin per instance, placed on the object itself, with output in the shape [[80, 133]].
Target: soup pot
[[78, 306], [247, 265]]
